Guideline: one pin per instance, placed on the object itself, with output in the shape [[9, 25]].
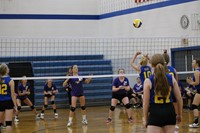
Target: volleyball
[[137, 23]]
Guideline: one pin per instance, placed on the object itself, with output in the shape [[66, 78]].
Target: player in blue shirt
[[77, 93], [195, 81], [22, 95], [158, 110], [143, 70], [7, 97], [49, 93], [171, 71], [120, 87]]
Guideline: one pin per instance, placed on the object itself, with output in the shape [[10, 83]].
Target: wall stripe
[[95, 17], [144, 8], [48, 16]]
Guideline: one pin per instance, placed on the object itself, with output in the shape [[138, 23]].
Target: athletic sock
[[84, 117], [196, 120], [54, 111]]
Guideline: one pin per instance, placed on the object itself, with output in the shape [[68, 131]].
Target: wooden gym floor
[[96, 122]]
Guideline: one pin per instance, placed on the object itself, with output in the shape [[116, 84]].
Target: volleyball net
[[98, 58]]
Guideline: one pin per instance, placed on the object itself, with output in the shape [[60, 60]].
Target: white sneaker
[[69, 124], [56, 115], [176, 129], [16, 119], [41, 116], [194, 125], [84, 121], [37, 116], [69, 130], [2, 127]]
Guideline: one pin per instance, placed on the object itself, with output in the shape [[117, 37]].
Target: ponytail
[[160, 80]]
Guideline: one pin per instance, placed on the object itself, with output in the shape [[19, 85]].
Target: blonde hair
[[144, 61], [3, 69]]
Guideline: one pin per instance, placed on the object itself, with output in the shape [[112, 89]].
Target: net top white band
[[88, 76]]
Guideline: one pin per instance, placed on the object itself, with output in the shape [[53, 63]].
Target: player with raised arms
[[144, 70]]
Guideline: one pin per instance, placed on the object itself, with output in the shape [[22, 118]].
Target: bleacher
[[98, 92]]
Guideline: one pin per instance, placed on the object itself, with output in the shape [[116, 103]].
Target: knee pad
[[194, 107], [83, 107], [45, 106], [73, 109], [52, 102], [112, 108], [19, 108], [8, 123], [32, 107], [128, 106]]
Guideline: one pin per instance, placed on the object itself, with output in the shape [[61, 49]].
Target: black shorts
[[79, 95], [130, 96], [137, 95], [22, 98], [192, 96], [161, 115], [48, 95], [6, 105], [119, 96]]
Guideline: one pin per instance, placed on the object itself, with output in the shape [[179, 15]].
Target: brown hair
[[166, 57], [120, 70], [197, 62], [161, 84]]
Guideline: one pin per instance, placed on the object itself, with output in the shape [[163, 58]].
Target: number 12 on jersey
[[3, 89]]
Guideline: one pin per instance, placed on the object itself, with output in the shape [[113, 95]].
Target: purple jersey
[[50, 89], [138, 87], [77, 86], [118, 83], [23, 89], [197, 87]]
